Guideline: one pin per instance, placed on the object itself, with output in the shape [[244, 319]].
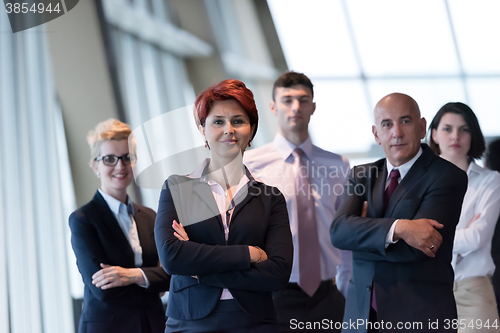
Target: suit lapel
[[418, 169], [142, 228], [204, 193], [241, 202], [108, 219], [378, 189]]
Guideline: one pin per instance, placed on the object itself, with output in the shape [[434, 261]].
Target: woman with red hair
[[222, 234]]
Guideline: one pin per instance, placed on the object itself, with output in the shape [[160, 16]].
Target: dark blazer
[[409, 286], [495, 254], [260, 218], [97, 238]]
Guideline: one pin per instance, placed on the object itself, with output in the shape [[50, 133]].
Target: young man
[[402, 247], [312, 181]]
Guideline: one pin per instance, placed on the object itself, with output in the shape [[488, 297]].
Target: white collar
[[198, 173], [403, 168], [114, 204], [285, 147], [473, 167]]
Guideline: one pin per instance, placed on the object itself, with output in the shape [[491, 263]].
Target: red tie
[[392, 186], [393, 183], [309, 262]]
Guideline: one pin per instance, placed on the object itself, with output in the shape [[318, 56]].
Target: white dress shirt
[[472, 245], [124, 214], [220, 198], [273, 163], [403, 170]]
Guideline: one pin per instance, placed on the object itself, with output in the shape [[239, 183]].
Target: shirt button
[[369, 288]]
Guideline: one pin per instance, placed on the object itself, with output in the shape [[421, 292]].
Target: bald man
[[402, 244]]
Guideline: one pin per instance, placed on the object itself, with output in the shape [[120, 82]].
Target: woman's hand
[[116, 276], [180, 233], [257, 254]]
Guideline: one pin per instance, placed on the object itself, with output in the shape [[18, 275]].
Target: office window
[[357, 51], [36, 194]]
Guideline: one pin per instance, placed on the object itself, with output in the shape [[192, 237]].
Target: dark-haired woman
[[223, 235], [457, 137]]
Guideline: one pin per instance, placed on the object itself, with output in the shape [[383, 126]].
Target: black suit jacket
[[97, 238], [409, 286], [260, 218], [495, 254]]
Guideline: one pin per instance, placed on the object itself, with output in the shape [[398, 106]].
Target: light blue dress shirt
[[124, 214], [328, 172]]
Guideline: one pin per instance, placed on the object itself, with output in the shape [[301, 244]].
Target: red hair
[[226, 90]]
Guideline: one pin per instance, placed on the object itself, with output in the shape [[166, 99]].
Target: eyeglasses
[[112, 160]]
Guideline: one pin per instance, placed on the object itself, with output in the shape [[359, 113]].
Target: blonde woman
[[113, 241]]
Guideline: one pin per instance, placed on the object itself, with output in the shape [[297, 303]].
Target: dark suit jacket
[[495, 254], [409, 286], [260, 218], [97, 238]]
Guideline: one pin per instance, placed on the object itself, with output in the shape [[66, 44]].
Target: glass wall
[[357, 51], [36, 189], [152, 54]]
